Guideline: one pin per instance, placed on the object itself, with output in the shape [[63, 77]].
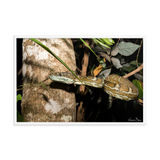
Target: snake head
[[64, 77]]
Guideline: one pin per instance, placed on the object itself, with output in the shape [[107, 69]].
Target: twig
[[32, 85], [78, 69], [85, 64], [83, 73], [118, 42], [138, 53], [20, 71], [136, 41], [140, 101], [79, 115], [135, 71]]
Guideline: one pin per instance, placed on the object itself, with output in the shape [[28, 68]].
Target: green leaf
[[111, 40], [19, 117], [129, 69], [133, 63], [100, 43], [103, 65], [44, 86], [116, 62], [107, 41], [127, 48], [139, 86], [19, 97], [122, 72]]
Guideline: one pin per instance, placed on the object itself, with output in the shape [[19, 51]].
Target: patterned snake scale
[[114, 85]]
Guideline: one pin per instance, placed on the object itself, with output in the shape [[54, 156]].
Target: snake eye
[[58, 74]]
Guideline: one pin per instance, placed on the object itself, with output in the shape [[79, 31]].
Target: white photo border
[[142, 35]]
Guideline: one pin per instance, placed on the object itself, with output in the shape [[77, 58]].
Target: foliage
[[123, 48], [19, 97], [127, 48], [19, 116], [139, 86], [114, 56], [103, 42]]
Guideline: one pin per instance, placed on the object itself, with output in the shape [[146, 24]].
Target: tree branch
[[135, 71]]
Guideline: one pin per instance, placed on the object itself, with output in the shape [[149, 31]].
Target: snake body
[[114, 85]]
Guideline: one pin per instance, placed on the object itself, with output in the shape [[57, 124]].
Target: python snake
[[114, 85]]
